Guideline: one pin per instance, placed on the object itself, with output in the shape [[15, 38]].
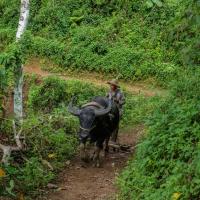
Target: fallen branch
[[119, 147], [7, 150], [45, 162]]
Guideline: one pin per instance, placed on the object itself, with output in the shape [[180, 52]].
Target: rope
[[87, 129]]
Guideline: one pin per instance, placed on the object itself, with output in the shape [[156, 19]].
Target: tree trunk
[[18, 95]]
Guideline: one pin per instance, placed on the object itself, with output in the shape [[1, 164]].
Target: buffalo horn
[[73, 109], [103, 111]]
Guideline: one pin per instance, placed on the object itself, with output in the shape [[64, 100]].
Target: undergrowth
[[130, 39], [166, 164]]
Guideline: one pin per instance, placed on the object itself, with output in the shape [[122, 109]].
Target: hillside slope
[[130, 39]]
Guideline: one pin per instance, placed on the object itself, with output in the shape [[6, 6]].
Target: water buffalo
[[98, 119]]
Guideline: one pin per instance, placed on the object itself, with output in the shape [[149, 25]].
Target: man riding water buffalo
[[98, 120]]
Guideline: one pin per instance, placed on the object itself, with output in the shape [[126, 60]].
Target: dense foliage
[[167, 160], [131, 39], [50, 141], [10, 61]]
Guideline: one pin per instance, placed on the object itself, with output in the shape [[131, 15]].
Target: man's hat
[[114, 82]]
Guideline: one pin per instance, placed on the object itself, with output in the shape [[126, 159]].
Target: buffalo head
[[87, 115]]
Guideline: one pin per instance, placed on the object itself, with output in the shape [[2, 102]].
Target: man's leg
[[115, 135]]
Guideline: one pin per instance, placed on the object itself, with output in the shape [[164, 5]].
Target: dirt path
[[79, 183], [34, 67]]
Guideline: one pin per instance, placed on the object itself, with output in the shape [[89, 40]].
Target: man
[[116, 95]]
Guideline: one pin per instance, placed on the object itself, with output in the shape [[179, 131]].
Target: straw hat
[[114, 82]]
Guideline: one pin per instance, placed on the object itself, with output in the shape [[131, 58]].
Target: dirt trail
[[34, 67], [79, 183]]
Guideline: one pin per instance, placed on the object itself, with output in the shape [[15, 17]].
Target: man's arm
[[121, 98], [109, 95]]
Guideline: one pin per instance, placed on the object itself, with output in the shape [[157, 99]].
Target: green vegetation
[[131, 40], [167, 159], [50, 141]]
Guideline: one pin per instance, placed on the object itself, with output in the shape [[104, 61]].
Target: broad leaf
[[149, 4], [158, 3]]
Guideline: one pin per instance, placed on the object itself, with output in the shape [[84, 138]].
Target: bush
[[49, 95], [166, 162], [53, 92], [9, 14], [34, 174], [134, 43], [136, 109], [48, 146], [7, 36]]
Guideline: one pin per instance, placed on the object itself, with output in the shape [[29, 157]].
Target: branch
[[7, 150]]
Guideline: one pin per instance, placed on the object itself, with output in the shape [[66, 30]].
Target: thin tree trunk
[[18, 94]]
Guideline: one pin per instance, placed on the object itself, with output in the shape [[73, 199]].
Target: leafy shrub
[[7, 36], [71, 32], [3, 83], [2, 78], [48, 146], [10, 62], [136, 109], [53, 138], [166, 161], [53, 92], [49, 95], [125, 38], [184, 35], [34, 174], [9, 14]]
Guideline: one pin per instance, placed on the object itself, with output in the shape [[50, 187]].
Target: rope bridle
[[87, 129]]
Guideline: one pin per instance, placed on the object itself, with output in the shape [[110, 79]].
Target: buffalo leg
[[115, 135], [92, 153], [82, 151], [97, 156], [106, 150]]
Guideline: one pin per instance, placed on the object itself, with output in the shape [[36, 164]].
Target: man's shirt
[[117, 96]]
